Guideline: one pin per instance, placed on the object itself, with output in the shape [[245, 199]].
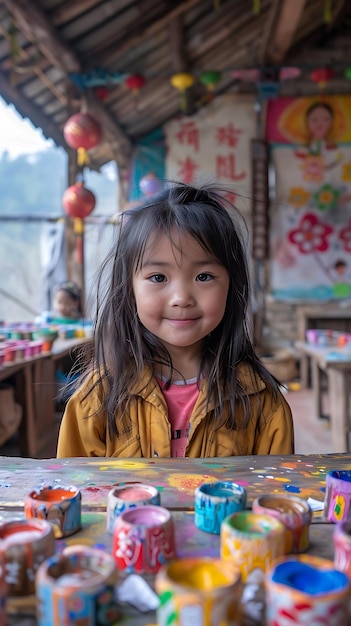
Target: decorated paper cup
[[59, 505], [143, 539], [296, 515], [77, 587], [24, 545], [127, 496], [342, 547], [337, 501], [252, 541], [215, 501], [306, 589], [199, 591]]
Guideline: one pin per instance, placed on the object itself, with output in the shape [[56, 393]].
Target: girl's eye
[[203, 278], [157, 278]]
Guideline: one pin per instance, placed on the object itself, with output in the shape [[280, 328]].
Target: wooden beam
[[283, 30], [35, 25], [117, 48]]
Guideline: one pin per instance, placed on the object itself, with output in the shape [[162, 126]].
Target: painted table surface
[[176, 479]]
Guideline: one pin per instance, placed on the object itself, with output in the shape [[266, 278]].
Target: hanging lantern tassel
[[182, 81], [78, 226], [257, 7], [327, 11]]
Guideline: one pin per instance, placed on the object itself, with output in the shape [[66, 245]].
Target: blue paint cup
[[215, 501]]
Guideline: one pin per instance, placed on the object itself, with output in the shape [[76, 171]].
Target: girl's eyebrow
[[166, 263]]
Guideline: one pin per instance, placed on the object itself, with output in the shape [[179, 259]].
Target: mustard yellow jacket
[[84, 430]]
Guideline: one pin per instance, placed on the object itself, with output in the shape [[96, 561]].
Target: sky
[[18, 135]]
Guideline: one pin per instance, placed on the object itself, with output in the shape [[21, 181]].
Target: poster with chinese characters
[[310, 141], [213, 146]]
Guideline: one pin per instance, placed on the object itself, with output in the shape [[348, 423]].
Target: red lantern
[[78, 201], [135, 82], [322, 75], [82, 132]]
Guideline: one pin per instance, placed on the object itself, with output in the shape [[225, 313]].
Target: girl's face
[[180, 291], [319, 122], [64, 304]]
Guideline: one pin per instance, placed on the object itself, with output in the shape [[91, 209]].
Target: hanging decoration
[[82, 132], [78, 202], [182, 81], [135, 82], [257, 7], [347, 72], [101, 93], [327, 11], [150, 184], [322, 76], [210, 79]]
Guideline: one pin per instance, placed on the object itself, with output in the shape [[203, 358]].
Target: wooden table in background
[[335, 365], [176, 480], [34, 383]]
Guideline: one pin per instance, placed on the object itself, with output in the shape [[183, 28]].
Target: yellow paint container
[[199, 591], [252, 541]]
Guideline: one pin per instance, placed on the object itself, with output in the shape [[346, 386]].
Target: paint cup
[[77, 587], [199, 591], [24, 545], [296, 515], [306, 589], [59, 505], [252, 541], [342, 547], [215, 501], [337, 501], [127, 496], [143, 539]]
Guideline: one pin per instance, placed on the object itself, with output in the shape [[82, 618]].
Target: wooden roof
[[47, 47]]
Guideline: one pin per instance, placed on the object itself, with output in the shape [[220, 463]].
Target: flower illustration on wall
[[311, 235], [298, 197], [326, 198], [313, 168], [345, 237]]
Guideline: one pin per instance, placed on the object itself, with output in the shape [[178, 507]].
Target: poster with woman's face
[[310, 141]]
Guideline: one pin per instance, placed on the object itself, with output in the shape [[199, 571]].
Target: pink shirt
[[180, 398]]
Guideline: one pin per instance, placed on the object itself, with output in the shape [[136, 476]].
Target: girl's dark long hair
[[124, 348]]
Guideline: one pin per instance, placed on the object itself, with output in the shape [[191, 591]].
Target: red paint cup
[[143, 539], [24, 545]]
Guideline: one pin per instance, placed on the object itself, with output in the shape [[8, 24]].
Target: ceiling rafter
[[281, 26], [117, 48], [37, 28]]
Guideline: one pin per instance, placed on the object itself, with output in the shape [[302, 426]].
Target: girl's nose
[[182, 295]]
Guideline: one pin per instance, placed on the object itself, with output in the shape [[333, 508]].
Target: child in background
[[174, 372], [67, 305], [67, 301]]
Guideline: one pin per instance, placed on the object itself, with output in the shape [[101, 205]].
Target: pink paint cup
[[143, 539], [342, 547], [128, 496]]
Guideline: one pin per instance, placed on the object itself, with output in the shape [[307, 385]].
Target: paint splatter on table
[[176, 480]]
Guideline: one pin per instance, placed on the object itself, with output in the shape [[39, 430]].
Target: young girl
[[174, 372]]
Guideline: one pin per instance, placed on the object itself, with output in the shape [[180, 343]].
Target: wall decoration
[[310, 141], [213, 146]]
